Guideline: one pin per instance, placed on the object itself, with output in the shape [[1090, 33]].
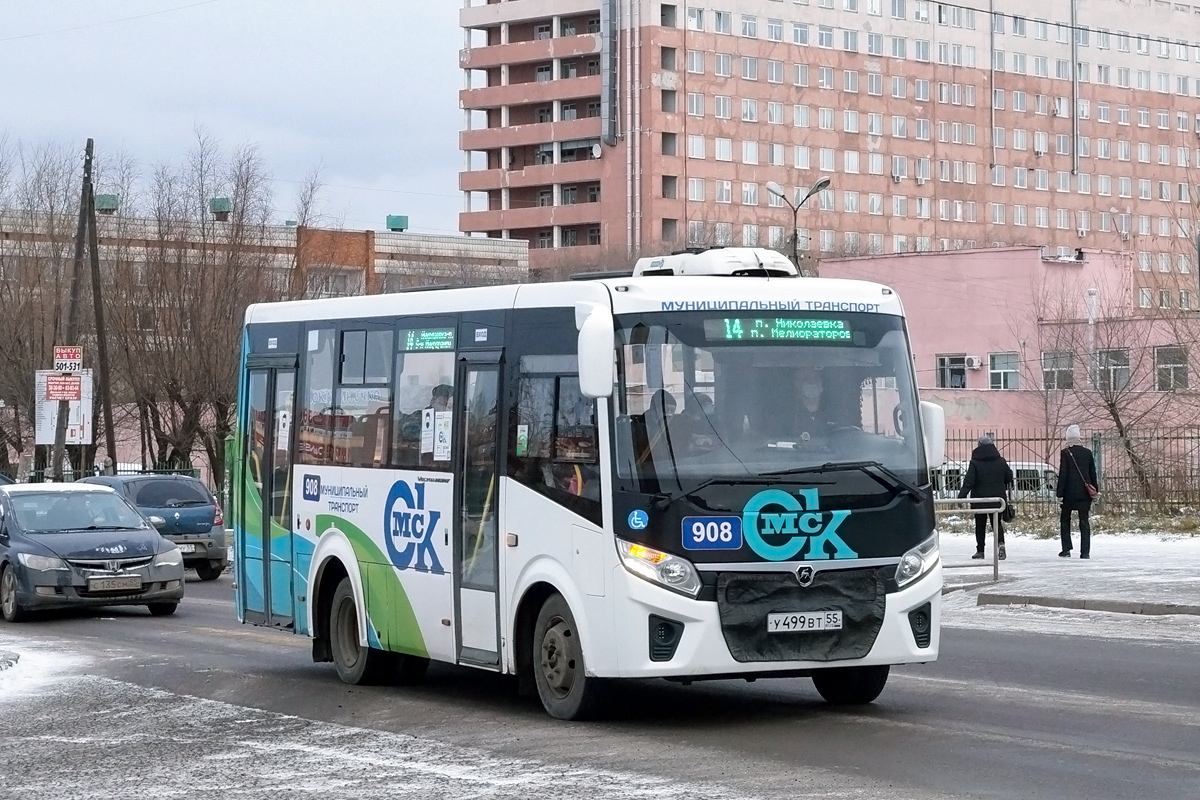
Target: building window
[[1170, 366], [1112, 370], [951, 371], [1002, 371], [1058, 370]]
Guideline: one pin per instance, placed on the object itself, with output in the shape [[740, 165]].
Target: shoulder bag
[[1091, 490]]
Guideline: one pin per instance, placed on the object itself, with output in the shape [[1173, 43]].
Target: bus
[[596, 479]]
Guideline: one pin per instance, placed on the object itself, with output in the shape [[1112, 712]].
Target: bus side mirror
[[596, 343], [933, 429]]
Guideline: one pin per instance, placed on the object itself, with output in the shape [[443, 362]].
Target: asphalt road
[[196, 705]]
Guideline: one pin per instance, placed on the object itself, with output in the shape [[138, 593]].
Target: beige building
[[628, 126]]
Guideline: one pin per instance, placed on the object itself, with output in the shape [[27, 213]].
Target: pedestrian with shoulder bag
[[1076, 489]]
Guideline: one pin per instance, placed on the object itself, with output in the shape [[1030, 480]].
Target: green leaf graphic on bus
[[389, 611]]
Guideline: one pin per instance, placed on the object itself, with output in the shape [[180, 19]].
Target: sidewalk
[[1133, 573]]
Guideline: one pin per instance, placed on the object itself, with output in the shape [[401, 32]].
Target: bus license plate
[[115, 584], [798, 621]]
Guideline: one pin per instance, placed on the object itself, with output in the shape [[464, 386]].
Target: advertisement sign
[[68, 358], [79, 414], [63, 387]]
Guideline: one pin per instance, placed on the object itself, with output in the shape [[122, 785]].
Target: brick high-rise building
[[634, 126]]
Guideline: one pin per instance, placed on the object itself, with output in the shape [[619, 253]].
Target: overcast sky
[[368, 89]]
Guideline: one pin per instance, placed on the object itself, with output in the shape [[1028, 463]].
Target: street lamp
[[777, 190]]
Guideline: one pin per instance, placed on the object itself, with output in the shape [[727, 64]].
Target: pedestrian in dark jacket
[[1076, 472], [988, 475]]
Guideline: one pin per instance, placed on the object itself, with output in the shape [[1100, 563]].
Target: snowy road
[[1024, 703]]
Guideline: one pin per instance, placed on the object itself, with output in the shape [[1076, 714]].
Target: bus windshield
[[703, 395]]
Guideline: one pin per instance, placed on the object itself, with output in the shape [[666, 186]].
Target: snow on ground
[[1144, 567], [40, 667]]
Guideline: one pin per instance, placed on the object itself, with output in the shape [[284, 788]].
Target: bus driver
[[812, 418]]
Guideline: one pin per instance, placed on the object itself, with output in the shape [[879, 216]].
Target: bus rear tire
[[565, 690], [851, 686], [356, 665]]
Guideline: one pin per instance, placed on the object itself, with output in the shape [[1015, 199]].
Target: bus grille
[[744, 599]]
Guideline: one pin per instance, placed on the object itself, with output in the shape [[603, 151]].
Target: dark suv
[[193, 518]]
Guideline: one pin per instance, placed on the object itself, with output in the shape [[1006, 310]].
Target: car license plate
[[187, 548], [114, 584], [798, 621]]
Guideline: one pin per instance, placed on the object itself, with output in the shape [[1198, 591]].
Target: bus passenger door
[[264, 556], [476, 606]]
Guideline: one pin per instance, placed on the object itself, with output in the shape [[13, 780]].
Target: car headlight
[[169, 558], [41, 562], [667, 570], [918, 561]]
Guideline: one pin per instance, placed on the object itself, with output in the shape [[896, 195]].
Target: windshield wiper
[[100, 528], [873, 469]]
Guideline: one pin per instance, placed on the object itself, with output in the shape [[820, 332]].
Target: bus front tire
[[563, 685], [851, 686], [356, 665]]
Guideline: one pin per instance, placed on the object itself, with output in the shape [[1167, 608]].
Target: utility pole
[[71, 334], [110, 436]]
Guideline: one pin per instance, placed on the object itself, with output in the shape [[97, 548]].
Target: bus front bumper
[[702, 651]]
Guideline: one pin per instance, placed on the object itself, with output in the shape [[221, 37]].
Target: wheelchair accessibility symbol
[[638, 520]]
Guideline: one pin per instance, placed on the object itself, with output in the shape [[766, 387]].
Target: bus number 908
[[712, 533]]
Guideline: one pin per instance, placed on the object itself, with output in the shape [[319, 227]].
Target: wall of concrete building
[[971, 104], [1013, 301]]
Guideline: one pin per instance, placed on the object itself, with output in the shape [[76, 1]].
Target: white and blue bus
[[706, 468]]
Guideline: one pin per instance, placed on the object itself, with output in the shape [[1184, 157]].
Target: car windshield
[[170, 493], [704, 396], [56, 512]]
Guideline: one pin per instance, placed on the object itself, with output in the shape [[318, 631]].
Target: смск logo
[[803, 524], [405, 517]]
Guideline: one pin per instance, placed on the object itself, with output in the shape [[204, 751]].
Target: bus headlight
[[918, 561], [667, 570]]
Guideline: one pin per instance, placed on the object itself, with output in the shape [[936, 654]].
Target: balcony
[[523, 135], [533, 92], [490, 57], [492, 14], [536, 217], [534, 175]]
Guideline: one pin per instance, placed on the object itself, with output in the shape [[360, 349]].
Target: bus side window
[[317, 415], [421, 410], [364, 399], [553, 444]]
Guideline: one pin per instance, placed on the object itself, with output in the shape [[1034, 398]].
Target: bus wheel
[[356, 665], [850, 686], [558, 666]]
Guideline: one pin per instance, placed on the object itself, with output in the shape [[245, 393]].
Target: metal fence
[[45, 475], [1146, 470]]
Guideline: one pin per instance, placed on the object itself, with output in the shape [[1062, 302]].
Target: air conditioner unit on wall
[[1082, 232], [974, 362]]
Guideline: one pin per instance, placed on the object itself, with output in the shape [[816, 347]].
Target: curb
[[1117, 606], [8, 660]]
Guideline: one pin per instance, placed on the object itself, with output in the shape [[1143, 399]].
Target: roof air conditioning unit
[[974, 362]]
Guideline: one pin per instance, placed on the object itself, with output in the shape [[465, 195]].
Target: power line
[[372, 189], [106, 22]]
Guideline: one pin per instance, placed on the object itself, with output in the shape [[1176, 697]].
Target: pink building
[[1006, 339], [640, 126]]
